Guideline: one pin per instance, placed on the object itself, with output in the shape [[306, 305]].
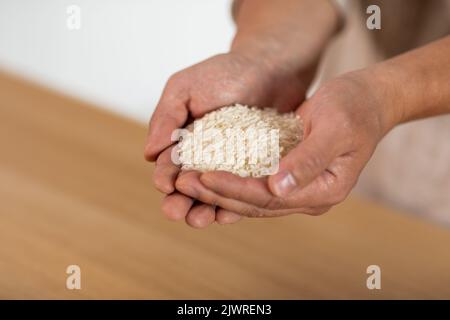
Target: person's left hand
[[343, 123], [218, 81]]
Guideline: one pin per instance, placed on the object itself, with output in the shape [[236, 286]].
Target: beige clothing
[[411, 167]]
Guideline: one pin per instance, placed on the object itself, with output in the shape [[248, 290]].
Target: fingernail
[[284, 183]]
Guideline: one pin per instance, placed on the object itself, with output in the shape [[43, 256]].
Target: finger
[[321, 192], [165, 172], [175, 206], [227, 217], [305, 162], [188, 183], [171, 113], [318, 193], [343, 173], [332, 186], [255, 191], [249, 190], [201, 216]]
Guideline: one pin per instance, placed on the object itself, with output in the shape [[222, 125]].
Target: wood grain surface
[[74, 189]]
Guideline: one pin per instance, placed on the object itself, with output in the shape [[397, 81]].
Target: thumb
[[304, 163], [170, 114]]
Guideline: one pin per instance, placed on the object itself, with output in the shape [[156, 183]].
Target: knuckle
[[338, 197], [167, 208], [275, 203], [160, 183], [319, 211], [313, 211], [209, 198], [160, 187], [196, 109], [174, 89], [182, 184], [252, 212], [226, 217], [174, 79], [312, 162], [161, 160], [163, 188]]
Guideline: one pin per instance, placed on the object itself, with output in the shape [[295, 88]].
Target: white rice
[[290, 132]]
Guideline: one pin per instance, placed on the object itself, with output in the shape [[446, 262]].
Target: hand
[[344, 121], [219, 81]]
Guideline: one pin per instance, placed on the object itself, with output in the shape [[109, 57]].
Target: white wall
[[124, 51]]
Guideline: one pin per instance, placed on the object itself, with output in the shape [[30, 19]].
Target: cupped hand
[[219, 81], [343, 123]]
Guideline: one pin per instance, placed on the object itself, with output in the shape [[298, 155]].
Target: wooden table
[[74, 189]]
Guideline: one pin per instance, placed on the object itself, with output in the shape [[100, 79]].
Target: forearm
[[286, 33], [416, 84]]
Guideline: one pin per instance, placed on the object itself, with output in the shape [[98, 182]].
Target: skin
[[259, 70], [221, 80], [344, 120]]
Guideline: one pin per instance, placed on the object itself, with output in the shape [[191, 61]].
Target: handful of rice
[[247, 141]]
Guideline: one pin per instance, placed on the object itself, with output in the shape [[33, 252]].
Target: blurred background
[[124, 51]]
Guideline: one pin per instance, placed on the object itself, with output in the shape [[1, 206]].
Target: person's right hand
[[343, 123], [219, 81]]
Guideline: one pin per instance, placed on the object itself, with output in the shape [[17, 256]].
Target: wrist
[[266, 52], [280, 73], [283, 40], [415, 83], [376, 86], [398, 92]]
